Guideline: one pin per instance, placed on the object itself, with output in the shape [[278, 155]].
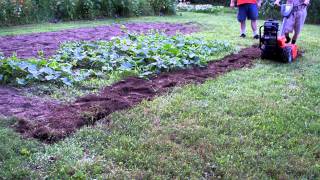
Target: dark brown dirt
[[27, 46], [55, 122], [14, 104]]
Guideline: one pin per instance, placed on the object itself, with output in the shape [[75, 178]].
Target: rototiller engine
[[274, 46]]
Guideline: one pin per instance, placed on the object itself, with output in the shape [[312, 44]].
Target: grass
[[257, 123]]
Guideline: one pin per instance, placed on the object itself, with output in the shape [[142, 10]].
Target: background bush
[[13, 12]]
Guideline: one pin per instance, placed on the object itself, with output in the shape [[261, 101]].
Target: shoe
[[243, 35], [256, 36], [288, 39]]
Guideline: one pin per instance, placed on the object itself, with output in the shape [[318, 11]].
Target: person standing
[[247, 9], [295, 21]]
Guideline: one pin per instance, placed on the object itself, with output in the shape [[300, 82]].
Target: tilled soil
[[55, 121], [12, 103], [27, 46]]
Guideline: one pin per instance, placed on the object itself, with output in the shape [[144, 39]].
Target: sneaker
[[288, 39], [256, 36], [243, 35]]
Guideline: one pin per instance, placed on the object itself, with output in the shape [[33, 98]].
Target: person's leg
[[300, 19], [242, 16], [253, 14], [287, 27], [243, 29], [296, 33], [254, 27]]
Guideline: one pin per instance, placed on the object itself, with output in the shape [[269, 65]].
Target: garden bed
[[29, 45], [58, 121]]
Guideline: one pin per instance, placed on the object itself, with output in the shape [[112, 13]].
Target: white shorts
[[294, 23]]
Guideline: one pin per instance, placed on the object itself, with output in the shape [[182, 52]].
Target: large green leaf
[[142, 54]]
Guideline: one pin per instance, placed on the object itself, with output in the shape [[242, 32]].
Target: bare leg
[[254, 27], [296, 34], [243, 27], [300, 19], [297, 30], [294, 38]]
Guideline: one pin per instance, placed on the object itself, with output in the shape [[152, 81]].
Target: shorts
[[294, 22], [249, 11]]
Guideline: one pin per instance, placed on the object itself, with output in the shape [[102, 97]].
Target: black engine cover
[[269, 40]]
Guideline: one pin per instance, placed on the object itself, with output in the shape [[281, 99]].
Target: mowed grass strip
[[261, 123]]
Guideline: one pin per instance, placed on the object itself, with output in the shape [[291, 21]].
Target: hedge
[[14, 12]]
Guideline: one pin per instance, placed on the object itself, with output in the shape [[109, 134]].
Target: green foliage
[[314, 13], [29, 11], [163, 6], [131, 7], [142, 55], [14, 70]]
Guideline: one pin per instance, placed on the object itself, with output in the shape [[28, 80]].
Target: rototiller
[[274, 46]]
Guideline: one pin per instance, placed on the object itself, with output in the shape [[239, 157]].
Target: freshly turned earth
[[14, 104], [29, 45], [50, 121]]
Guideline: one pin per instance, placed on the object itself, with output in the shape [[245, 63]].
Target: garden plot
[[176, 59], [65, 119], [28, 46]]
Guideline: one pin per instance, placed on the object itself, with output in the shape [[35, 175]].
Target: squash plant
[[144, 54]]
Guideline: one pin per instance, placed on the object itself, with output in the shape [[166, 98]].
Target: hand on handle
[[277, 3]]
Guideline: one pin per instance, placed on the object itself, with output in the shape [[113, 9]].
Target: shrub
[[314, 13], [163, 6], [30, 11], [64, 9]]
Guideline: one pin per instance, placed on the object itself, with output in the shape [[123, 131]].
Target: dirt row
[[28, 45], [12, 103], [58, 121]]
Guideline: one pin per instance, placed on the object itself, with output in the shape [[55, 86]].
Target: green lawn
[[257, 123]]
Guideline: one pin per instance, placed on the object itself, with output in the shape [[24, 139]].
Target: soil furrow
[[63, 120]]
